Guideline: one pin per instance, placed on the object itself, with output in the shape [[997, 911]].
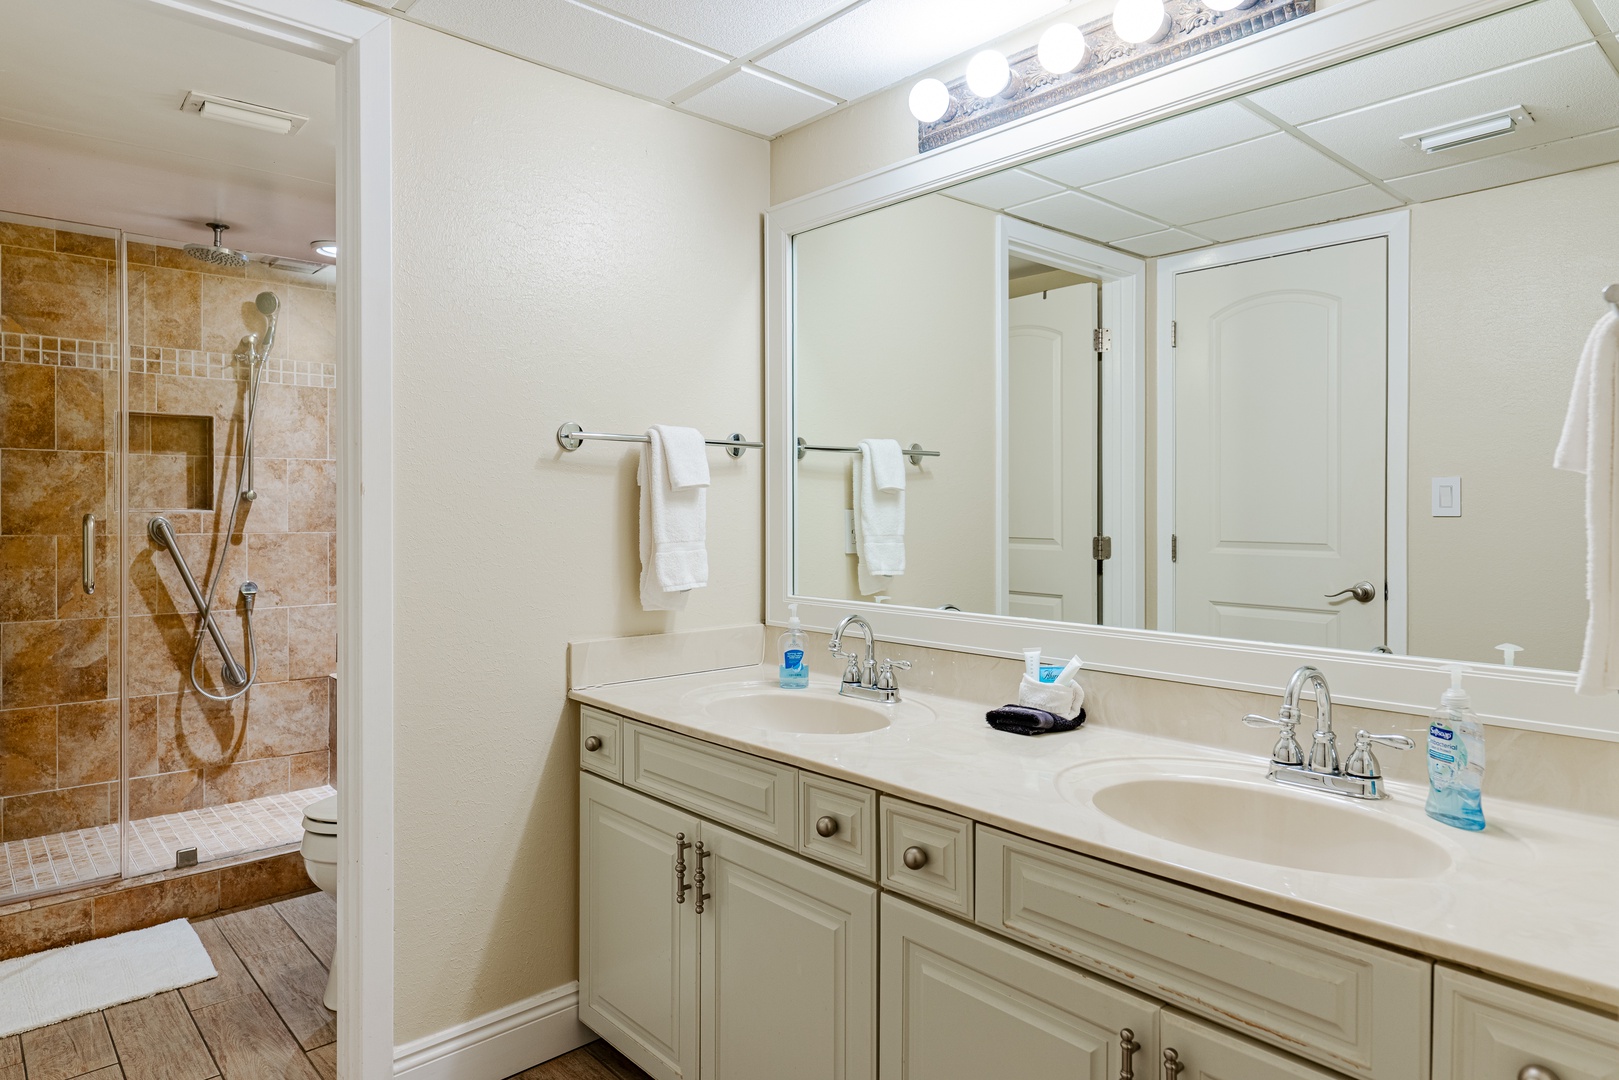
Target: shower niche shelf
[[171, 461]]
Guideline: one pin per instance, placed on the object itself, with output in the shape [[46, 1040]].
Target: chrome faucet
[[865, 679], [1359, 778]]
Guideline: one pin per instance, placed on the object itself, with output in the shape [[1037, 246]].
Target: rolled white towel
[[673, 526]]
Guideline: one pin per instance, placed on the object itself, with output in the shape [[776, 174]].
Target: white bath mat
[[76, 979]]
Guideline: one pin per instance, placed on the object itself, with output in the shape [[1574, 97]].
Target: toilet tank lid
[[323, 810]]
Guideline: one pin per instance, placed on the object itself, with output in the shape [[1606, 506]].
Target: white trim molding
[[499, 1044], [1515, 697]]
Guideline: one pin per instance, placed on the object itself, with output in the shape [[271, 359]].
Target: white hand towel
[[674, 525], [887, 464], [686, 456], [1590, 445], [879, 520]]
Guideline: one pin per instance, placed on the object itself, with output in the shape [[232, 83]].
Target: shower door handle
[[87, 557]]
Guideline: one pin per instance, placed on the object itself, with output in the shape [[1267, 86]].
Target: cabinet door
[[789, 966], [637, 946], [1485, 1030], [1206, 1052], [958, 1004]]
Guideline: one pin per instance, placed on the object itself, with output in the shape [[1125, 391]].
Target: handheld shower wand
[[269, 306]]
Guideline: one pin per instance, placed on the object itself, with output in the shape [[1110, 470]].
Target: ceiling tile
[[738, 27], [1478, 46], [1165, 242], [882, 42], [1547, 159], [1228, 181], [1610, 12], [1298, 214], [1006, 188], [581, 40], [1569, 93], [1084, 216], [754, 101], [1156, 144]]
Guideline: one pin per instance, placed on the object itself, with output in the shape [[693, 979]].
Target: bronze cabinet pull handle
[[826, 826], [699, 877], [1172, 1064], [1127, 1054], [914, 858], [593, 743], [680, 867], [1536, 1072]]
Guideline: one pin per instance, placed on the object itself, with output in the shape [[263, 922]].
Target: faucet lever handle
[[1362, 763], [1287, 750], [1256, 720], [885, 673]]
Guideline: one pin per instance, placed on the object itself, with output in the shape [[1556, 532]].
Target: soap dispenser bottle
[[794, 671], [1456, 758]]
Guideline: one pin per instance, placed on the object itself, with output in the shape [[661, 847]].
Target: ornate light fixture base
[[1195, 29]]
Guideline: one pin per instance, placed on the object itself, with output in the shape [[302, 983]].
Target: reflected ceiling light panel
[[1062, 49], [930, 100], [327, 248], [242, 113], [1228, 5], [1477, 129], [988, 73], [1141, 22]]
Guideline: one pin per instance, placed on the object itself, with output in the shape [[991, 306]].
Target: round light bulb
[[1062, 49], [1140, 22], [930, 100], [988, 73], [1227, 5]]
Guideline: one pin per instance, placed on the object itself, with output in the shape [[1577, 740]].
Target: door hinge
[[1102, 340], [1101, 548], [1174, 548], [1174, 334]]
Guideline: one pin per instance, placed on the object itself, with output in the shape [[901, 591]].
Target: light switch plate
[[1447, 496]]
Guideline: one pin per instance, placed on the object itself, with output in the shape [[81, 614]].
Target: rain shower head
[[219, 254]]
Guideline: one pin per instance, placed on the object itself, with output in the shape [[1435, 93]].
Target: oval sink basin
[[814, 711], [1272, 825]]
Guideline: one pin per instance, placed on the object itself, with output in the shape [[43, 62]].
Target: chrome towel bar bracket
[[571, 436], [914, 452], [1611, 295]]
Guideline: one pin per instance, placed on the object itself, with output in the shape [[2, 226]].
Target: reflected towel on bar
[[673, 526], [1590, 445], [879, 514]]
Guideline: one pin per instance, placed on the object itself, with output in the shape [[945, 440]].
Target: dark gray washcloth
[[1020, 720]]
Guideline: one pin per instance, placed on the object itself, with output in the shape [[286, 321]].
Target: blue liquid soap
[[794, 672], [1456, 759]]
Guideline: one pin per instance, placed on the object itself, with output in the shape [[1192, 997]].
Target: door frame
[[1394, 227], [1123, 310], [358, 42]]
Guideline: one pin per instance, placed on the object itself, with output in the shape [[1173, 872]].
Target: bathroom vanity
[[790, 884]]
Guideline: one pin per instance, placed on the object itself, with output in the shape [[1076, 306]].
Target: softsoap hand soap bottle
[[1456, 758], [794, 671]]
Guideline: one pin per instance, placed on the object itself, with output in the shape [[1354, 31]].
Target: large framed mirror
[[1279, 372]]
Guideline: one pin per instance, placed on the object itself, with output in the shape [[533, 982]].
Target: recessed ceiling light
[[243, 113], [327, 248], [1490, 126]]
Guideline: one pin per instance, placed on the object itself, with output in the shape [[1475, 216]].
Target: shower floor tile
[[63, 860]]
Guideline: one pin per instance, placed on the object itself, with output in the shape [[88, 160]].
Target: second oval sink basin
[[1250, 820], [812, 711]]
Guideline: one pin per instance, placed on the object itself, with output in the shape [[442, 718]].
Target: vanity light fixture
[[988, 73], [1227, 5], [1062, 49], [1141, 22], [1490, 126], [327, 248], [242, 113], [930, 100]]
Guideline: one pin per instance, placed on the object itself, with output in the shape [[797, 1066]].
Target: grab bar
[[162, 533], [87, 555], [915, 452], [570, 437]]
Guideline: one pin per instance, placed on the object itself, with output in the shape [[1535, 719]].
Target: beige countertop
[[1532, 898]]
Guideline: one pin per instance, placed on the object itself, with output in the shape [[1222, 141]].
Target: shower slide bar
[[162, 533], [570, 437], [915, 452]]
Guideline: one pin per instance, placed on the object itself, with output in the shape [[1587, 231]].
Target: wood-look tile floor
[[260, 1019], [598, 1061]]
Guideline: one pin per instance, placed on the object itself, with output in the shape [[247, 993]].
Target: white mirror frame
[[1514, 697]]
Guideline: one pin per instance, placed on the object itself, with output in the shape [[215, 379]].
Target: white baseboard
[[498, 1044]]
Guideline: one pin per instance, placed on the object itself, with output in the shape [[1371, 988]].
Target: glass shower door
[[61, 745]]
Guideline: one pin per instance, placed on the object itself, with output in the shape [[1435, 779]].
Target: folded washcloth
[[879, 516], [673, 526], [1019, 720], [685, 455]]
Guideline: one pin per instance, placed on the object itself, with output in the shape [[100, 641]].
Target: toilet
[[320, 860]]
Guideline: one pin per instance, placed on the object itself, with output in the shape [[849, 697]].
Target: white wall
[[894, 337], [562, 252]]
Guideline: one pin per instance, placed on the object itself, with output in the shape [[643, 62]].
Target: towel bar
[[570, 437], [915, 452]]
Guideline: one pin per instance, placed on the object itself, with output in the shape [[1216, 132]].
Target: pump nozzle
[[1455, 695], [792, 617]]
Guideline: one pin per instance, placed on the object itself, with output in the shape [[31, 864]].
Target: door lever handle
[[1364, 591]]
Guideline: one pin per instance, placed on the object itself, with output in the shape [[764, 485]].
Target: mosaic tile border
[[144, 360]]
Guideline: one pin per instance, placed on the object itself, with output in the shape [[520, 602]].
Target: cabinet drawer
[[1206, 1052], [731, 788], [848, 812], [599, 730], [1354, 1007], [943, 845], [1485, 1030]]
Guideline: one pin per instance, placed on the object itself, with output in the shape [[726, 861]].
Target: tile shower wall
[[58, 647]]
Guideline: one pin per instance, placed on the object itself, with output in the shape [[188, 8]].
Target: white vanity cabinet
[[1486, 1030]]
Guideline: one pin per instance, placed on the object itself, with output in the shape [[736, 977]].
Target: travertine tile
[[173, 309], [48, 663], [286, 718], [229, 314], [291, 568], [87, 743], [165, 793], [72, 602], [148, 905], [242, 780], [264, 879], [47, 927], [310, 770], [81, 414], [56, 294], [140, 740], [96, 247], [27, 578], [27, 750], [291, 422], [312, 499], [49, 491], [27, 236], [268, 512], [27, 406], [47, 812], [158, 650], [312, 641], [312, 322]]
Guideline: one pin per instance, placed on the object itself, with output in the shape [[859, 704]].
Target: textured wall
[[562, 252]]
